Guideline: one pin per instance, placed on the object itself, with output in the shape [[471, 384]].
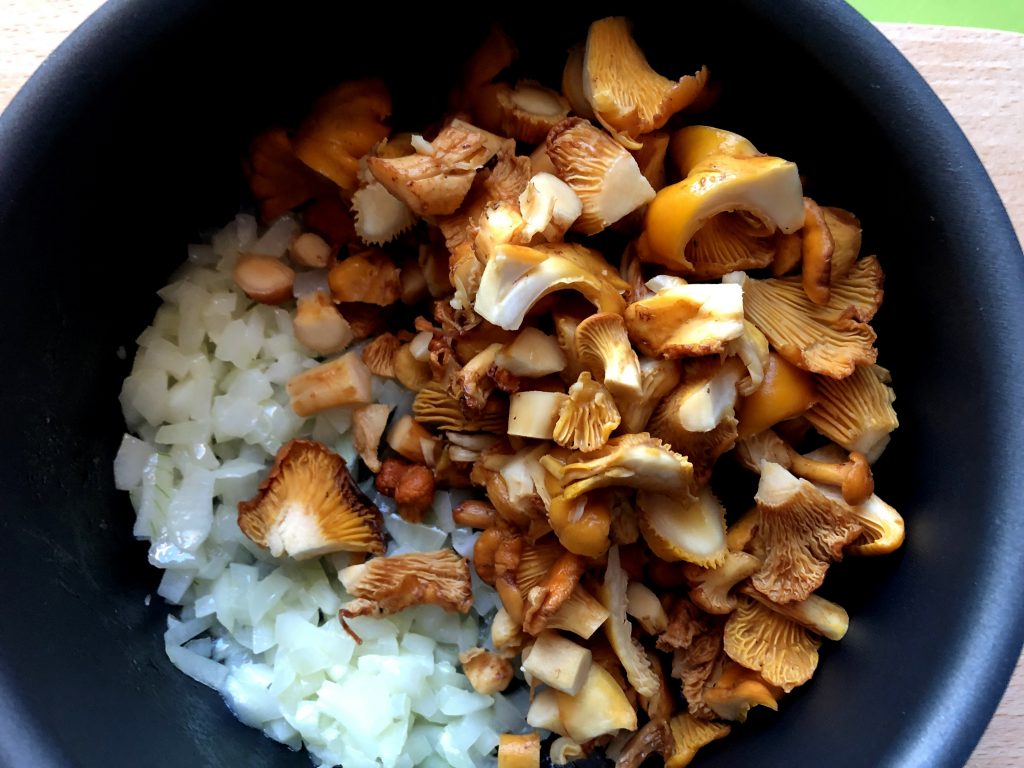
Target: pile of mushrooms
[[586, 389]]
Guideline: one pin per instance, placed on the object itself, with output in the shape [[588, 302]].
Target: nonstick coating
[[126, 145]]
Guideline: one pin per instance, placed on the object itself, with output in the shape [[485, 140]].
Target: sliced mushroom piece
[[529, 110], [309, 505], [343, 126], [603, 347], [549, 207], [564, 750], [644, 606], [856, 412], [599, 708], [627, 96], [532, 354], [380, 217], [618, 629], [685, 320], [711, 588], [542, 602], [413, 374], [653, 738], [379, 355], [604, 176], [722, 173], [558, 662], [689, 734], [370, 277], [488, 672], [264, 278], [319, 325], [817, 614], [572, 83], [832, 339], [516, 277], [310, 250], [342, 381], [752, 348], [587, 417], [816, 253], [657, 379], [633, 461], [519, 750], [534, 414], [760, 639], [651, 158], [846, 238], [411, 441], [368, 425], [730, 241], [884, 528], [737, 690], [785, 392], [434, 406], [386, 585], [801, 532], [705, 397], [472, 385], [693, 531]]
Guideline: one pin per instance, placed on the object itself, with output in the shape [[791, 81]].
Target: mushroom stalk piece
[[732, 178], [516, 277]]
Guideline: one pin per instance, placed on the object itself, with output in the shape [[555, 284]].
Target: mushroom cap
[[627, 96], [694, 144], [694, 532], [603, 175], [380, 217], [309, 505], [529, 110], [434, 406], [738, 689], [689, 734], [801, 530], [587, 418], [387, 585], [603, 347], [517, 277], [856, 412], [712, 587], [727, 242], [657, 378], [760, 639], [686, 320], [831, 339]]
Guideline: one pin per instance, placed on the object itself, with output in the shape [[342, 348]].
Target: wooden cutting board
[[979, 74]]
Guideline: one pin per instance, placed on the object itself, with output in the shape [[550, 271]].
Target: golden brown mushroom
[[370, 277], [529, 110], [487, 672], [816, 253], [319, 326], [587, 418], [760, 639], [654, 737], [434, 406], [368, 424], [386, 585], [277, 178], [603, 347], [342, 381], [692, 531], [309, 505], [379, 355], [519, 750], [737, 690], [690, 734], [711, 587], [856, 412], [618, 629]]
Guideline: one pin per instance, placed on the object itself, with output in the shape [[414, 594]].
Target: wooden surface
[[978, 73]]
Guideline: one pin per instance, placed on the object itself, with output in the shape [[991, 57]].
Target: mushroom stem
[[854, 477]]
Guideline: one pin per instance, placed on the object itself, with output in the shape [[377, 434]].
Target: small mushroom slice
[[685, 320], [277, 178], [884, 528], [784, 393], [832, 339], [722, 173], [543, 601], [760, 639], [368, 425], [379, 355], [549, 207], [587, 417], [816, 253], [309, 505], [712, 587], [627, 96], [488, 672], [532, 354], [370, 277], [564, 750], [342, 381], [603, 175], [435, 407], [633, 461], [817, 614], [519, 750], [264, 278], [319, 325], [599, 708], [705, 397], [693, 531], [644, 606], [801, 532], [846, 239], [380, 217], [517, 277], [619, 630], [386, 585], [558, 662], [603, 347], [689, 734], [657, 379], [534, 413], [856, 412], [752, 348], [728, 242], [737, 690], [435, 184], [654, 737], [529, 110], [343, 126]]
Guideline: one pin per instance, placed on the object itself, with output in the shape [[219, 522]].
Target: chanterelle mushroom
[[386, 585], [435, 184], [856, 412], [681, 319], [603, 347], [627, 96], [831, 339], [690, 734], [801, 530], [309, 505], [603, 175], [619, 629], [722, 172], [783, 652], [587, 418], [693, 531], [277, 178]]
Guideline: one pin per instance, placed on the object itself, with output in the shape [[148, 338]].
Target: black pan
[[125, 146]]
